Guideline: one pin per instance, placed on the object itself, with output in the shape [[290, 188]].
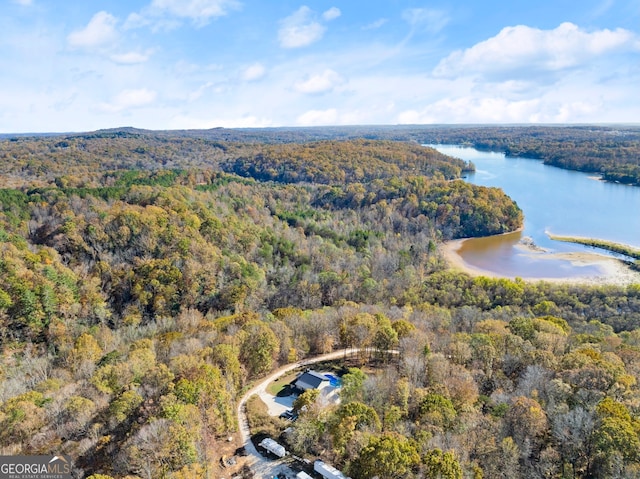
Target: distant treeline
[[47, 160], [612, 152]]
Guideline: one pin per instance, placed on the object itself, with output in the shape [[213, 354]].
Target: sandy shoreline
[[613, 270]]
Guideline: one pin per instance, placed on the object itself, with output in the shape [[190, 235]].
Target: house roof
[[310, 380]]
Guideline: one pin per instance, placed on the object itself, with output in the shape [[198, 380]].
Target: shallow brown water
[[505, 255]]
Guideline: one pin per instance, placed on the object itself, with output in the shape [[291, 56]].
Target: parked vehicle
[[290, 415], [328, 471], [273, 447]]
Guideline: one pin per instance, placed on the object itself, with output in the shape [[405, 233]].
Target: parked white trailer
[[272, 446], [327, 470]]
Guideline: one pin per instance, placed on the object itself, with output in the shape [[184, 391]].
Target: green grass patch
[[279, 384], [626, 250]]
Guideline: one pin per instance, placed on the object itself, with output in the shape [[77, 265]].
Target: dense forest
[[611, 151], [146, 280]]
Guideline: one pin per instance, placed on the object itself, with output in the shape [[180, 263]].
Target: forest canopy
[[147, 279]]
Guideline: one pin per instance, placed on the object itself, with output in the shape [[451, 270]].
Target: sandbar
[[613, 271]]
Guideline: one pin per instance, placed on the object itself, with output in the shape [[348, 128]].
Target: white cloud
[[100, 30], [130, 58], [331, 14], [318, 117], [167, 14], [187, 69], [470, 109], [197, 94], [490, 109], [128, 99], [426, 19], [198, 10], [375, 25], [136, 20], [190, 123], [26, 3], [324, 82], [528, 49], [300, 29], [254, 72]]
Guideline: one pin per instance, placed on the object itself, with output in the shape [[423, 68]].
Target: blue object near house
[[334, 381]]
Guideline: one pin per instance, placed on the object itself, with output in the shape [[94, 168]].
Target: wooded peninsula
[[148, 279]]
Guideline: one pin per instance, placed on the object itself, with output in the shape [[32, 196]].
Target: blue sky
[[169, 64]]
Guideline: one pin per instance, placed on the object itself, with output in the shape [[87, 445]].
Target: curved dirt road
[[264, 468]]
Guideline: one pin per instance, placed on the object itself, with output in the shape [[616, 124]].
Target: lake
[[553, 200]]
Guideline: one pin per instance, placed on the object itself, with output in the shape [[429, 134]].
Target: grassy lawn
[[278, 385]]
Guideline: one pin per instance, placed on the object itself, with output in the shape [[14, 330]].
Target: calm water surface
[[554, 200]]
